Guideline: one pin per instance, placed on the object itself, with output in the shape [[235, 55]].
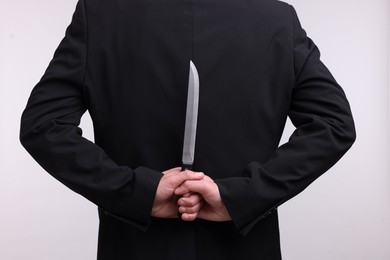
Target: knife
[[191, 118]]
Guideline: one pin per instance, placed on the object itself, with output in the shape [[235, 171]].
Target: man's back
[[127, 62]]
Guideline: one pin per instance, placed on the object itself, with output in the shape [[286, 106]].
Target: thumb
[[180, 177]]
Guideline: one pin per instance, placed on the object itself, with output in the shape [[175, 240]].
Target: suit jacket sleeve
[[324, 132], [50, 133]]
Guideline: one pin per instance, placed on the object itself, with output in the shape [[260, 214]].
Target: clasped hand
[[194, 194]]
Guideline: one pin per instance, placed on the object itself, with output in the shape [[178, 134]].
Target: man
[[127, 63]]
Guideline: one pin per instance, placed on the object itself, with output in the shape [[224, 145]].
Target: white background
[[344, 215]]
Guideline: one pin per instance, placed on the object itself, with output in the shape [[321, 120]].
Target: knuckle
[[193, 202], [189, 210], [193, 209], [186, 202], [190, 217], [197, 198]]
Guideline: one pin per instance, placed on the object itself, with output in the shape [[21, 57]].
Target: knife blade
[[191, 118]]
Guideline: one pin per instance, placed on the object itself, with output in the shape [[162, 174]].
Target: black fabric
[[127, 64]]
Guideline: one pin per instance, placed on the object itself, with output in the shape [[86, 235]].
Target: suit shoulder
[[277, 11], [277, 5]]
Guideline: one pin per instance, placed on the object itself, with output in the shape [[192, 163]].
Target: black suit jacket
[[127, 63]]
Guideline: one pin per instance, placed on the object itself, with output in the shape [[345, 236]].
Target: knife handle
[[186, 167], [183, 168]]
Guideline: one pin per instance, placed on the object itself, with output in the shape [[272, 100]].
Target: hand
[[165, 201], [213, 207]]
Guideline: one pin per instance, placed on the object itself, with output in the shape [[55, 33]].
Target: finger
[[188, 194], [181, 190], [180, 177], [198, 186], [189, 216], [190, 201], [208, 179], [192, 209]]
